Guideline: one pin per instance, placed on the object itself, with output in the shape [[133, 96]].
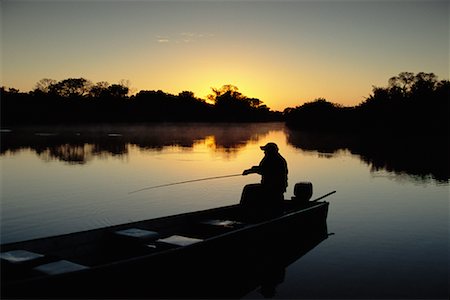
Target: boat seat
[[59, 267], [179, 240], [222, 223], [137, 234], [20, 257], [17, 262]]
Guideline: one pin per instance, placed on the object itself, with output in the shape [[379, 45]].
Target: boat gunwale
[[215, 237], [180, 215], [112, 227], [135, 259]]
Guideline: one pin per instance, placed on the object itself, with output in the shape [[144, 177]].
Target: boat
[[190, 255]]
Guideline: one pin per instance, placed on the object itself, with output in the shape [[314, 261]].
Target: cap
[[270, 146]]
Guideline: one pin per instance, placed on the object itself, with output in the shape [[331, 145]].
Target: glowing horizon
[[284, 53]]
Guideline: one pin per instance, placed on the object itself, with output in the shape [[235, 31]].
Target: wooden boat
[[196, 254]]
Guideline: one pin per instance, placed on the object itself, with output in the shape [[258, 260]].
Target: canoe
[[208, 253]]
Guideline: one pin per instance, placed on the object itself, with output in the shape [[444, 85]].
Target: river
[[388, 219]]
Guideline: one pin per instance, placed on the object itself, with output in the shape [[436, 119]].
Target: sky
[[285, 53]]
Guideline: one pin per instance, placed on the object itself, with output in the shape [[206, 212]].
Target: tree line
[[78, 100], [411, 103]]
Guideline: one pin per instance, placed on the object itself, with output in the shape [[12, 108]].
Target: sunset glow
[[283, 52]]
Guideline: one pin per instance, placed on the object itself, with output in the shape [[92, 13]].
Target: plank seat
[[130, 242], [59, 267], [212, 227], [20, 257], [19, 263], [137, 234], [222, 223], [179, 240]]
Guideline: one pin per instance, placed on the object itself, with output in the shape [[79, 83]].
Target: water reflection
[[424, 158], [78, 145], [257, 269]]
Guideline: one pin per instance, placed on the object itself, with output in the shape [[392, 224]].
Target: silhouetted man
[[274, 171]]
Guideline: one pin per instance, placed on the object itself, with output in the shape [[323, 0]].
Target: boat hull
[[214, 267]]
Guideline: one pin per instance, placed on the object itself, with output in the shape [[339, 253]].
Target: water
[[389, 215]]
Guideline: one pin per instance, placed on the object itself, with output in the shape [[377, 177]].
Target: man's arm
[[254, 169]]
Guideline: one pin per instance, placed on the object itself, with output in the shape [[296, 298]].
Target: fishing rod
[[181, 182], [326, 195]]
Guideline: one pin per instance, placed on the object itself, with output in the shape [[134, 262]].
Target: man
[[273, 169]]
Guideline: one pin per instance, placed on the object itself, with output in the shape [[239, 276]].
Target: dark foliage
[[77, 100], [423, 157], [76, 144], [410, 104]]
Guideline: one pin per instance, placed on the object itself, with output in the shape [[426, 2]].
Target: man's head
[[270, 148]]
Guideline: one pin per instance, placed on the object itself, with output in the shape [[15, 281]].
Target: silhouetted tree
[[402, 83], [117, 91], [226, 95], [424, 84], [13, 91], [254, 102], [71, 87], [229, 95], [99, 89], [44, 85], [316, 115], [409, 104], [230, 104]]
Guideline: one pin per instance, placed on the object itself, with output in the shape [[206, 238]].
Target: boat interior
[[90, 249]]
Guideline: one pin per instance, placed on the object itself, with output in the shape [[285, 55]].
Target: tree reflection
[[78, 145], [422, 157], [74, 154]]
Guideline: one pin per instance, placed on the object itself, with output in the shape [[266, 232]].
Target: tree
[[99, 89], [127, 84], [227, 94], [13, 91], [403, 82], [319, 114], [118, 91], [71, 87], [44, 85], [230, 104], [103, 90], [186, 95], [254, 102], [424, 83]]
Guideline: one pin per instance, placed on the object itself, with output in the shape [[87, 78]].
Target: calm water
[[389, 215]]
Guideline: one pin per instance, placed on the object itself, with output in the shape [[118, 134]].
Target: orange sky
[[283, 52]]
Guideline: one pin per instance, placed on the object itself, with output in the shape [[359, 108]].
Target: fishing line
[[181, 182]]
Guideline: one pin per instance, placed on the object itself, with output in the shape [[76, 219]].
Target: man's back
[[273, 168]]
